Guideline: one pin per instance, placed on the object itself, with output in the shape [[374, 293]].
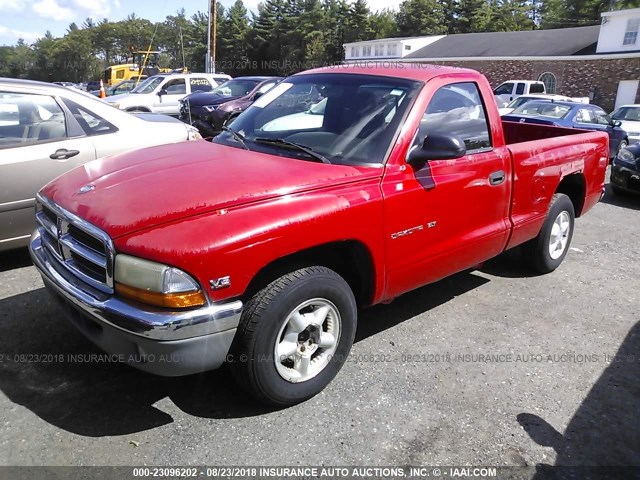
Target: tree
[[421, 17]]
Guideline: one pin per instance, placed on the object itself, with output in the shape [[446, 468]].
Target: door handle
[[496, 178], [63, 153]]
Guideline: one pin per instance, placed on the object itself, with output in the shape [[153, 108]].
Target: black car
[[209, 111], [625, 171]]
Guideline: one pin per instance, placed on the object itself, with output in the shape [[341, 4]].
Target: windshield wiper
[[237, 136], [297, 146]]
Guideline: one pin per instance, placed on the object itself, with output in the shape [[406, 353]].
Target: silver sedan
[[46, 130]]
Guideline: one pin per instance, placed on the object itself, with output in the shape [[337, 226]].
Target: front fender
[[239, 241]]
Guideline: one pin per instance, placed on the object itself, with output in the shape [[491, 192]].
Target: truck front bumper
[[158, 341]]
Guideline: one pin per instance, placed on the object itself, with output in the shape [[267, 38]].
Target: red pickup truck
[[257, 249]]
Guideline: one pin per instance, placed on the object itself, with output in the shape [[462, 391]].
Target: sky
[[30, 19]]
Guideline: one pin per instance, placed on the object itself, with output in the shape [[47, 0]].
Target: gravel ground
[[557, 382]]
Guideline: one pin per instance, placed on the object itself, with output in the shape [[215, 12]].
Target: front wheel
[[294, 336], [546, 252]]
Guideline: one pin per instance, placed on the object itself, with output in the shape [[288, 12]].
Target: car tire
[[546, 252], [623, 144], [294, 336]]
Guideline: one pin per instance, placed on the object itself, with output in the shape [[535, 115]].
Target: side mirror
[[437, 146], [257, 95], [163, 91], [616, 123]]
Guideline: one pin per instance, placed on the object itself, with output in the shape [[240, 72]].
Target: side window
[[91, 123], [27, 119], [520, 89], [200, 84], [601, 117], [585, 115], [176, 87], [504, 89], [458, 109], [266, 87]]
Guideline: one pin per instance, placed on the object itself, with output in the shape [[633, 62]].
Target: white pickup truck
[[507, 91], [162, 93]]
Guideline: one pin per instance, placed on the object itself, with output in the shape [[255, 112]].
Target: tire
[[623, 144], [546, 252], [271, 348]]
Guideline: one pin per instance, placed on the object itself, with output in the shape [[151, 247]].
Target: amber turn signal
[[167, 300]]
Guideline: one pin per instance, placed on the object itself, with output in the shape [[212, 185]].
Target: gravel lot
[[561, 384]]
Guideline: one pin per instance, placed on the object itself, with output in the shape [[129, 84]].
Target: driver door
[[169, 95], [447, 215]]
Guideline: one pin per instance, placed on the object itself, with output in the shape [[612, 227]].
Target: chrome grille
[[81, 248]]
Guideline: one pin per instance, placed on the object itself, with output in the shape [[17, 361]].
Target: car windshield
[[545, 109], [236, 87], [520, 101], [354, 120], [149, 85], [627, 113]]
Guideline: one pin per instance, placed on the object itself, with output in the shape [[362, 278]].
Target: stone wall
[[597, 79]]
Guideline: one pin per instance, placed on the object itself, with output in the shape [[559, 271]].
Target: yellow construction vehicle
[[144, 64]]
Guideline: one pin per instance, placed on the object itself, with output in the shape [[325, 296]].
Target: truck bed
[[542, 156]]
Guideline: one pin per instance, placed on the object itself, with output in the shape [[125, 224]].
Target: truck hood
[[145, 188]]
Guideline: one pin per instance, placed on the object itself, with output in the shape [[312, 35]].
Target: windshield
[[545, 109], [627, 113], [235, 88], [353, 121], [521, 101], [149, 85]]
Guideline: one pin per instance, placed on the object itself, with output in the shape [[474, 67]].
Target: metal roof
[[525, 43]]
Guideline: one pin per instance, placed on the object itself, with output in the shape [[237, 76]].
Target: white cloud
[[94, 9], [6, 32], [52, 9], [11, 5]]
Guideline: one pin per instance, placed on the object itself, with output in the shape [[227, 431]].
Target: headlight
[[625, 156], [210, 108], [193, 133], [156, 284]]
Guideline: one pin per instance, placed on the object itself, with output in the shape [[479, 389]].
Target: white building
[[386, 48], [619, 31]]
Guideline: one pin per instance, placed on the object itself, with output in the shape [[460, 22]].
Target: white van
[[507, 91], [162, 93]]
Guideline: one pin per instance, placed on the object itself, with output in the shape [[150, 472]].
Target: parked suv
[[512, 89], [209, 111], [162, 93]]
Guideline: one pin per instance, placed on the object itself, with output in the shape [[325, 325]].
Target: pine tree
[[421, 17]]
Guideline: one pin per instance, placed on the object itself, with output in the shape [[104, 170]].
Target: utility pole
[[211, 40]]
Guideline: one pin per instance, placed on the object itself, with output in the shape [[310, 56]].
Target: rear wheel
[[294, 336], [547, 251]]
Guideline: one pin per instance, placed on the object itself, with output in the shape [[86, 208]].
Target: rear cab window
[[200, 84]]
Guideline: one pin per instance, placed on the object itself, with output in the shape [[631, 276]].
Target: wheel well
[[350, 259], [574, 187]]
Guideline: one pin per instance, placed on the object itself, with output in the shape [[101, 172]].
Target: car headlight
[[625, 156], [210, 108], [156, 284], [193, 133]]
